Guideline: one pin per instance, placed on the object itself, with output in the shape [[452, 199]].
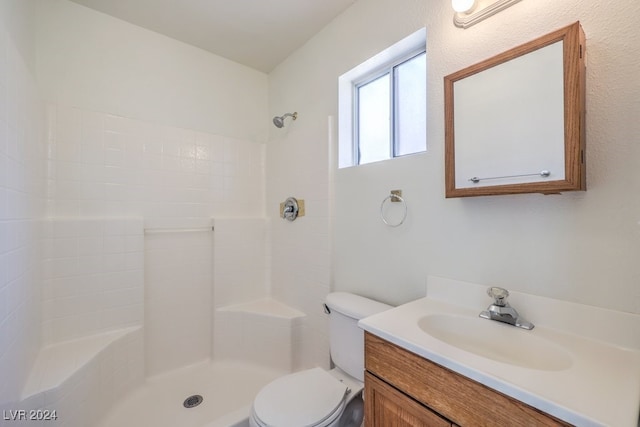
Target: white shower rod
[[176, 230]]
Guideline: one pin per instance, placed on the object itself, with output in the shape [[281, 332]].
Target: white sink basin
[[580, 364], [497, 341]]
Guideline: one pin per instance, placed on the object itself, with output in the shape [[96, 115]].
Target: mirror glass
[[514, 122]]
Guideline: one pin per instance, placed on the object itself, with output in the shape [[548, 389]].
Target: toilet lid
[[305, 398]]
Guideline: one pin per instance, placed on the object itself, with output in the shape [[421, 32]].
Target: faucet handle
[[499, 295]]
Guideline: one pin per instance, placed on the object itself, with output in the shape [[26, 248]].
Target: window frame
[[344, 145], [379, 72]]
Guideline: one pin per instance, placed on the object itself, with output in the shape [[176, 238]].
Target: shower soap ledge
[[57, 363], [266, 307]]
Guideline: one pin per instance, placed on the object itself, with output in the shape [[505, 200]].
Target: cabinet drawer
[[454, 396]]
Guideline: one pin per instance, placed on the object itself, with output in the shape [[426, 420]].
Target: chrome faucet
[[501, 311]]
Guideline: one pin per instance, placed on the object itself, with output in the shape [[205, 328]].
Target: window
[[391, 112], [383, 105]]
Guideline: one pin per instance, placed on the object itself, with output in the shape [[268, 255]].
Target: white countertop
[[601, 385]]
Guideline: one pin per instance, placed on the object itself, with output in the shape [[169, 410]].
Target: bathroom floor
[[228, 389]]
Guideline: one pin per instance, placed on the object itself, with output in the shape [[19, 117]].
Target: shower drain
[[192, 401]]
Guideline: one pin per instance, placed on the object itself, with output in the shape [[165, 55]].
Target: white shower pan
[[227, 388]]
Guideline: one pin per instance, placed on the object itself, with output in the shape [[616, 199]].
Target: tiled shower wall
[[103, 171], [93, 277], [22, 163], [105, 165]]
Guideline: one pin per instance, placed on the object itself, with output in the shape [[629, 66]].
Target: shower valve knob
[[290, 209]]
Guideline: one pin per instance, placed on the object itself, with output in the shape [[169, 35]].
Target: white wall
[[21, 198], [580, 246], [90, 60]]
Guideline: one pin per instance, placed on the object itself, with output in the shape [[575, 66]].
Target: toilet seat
[[308, 398]]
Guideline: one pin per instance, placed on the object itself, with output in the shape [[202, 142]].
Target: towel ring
[[404, 214]]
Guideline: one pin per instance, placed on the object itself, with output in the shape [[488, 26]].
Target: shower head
[[279, 120]]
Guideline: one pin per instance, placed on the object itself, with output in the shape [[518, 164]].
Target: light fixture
[[462, 6], [470, 12]]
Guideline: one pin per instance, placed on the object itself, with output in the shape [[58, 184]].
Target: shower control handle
[[290, 209]]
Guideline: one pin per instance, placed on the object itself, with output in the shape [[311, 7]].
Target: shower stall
[[154, 308], [141, 262]]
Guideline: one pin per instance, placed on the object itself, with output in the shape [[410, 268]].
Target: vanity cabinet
[[403, 389], [386, 406]]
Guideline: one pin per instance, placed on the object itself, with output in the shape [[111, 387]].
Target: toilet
[[316, 397]]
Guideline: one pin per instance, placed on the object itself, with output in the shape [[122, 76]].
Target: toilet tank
[[346, 339]]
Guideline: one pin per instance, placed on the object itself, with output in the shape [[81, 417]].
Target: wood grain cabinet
[[388, 407], [406, 390]]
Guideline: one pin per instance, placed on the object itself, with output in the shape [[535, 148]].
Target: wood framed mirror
[[514, 123]]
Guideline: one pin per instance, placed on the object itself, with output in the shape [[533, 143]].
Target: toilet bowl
[[319, 398], [313, 397]]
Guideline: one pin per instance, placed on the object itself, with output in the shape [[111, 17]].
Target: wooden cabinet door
[[385, 406]]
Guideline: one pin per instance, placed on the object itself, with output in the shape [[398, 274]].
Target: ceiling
[[256, 33]]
